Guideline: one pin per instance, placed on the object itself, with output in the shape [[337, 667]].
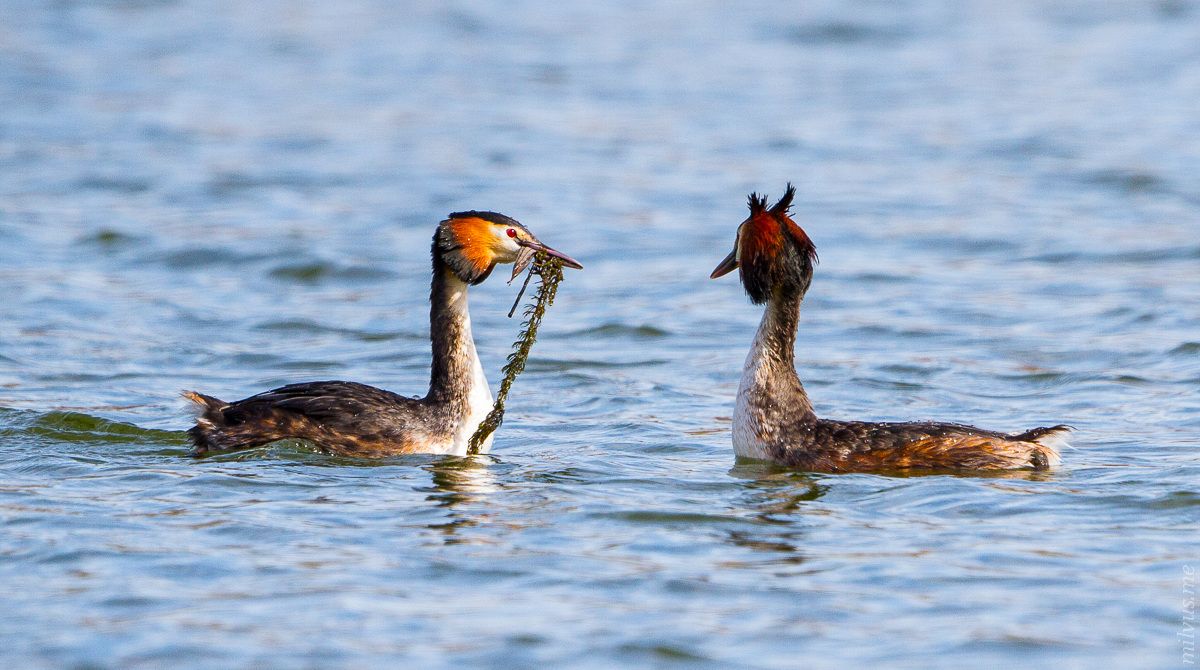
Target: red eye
[[512, 233]]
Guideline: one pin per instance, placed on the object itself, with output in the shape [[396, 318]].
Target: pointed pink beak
[[567, 260], [728, 265], [529, 249]]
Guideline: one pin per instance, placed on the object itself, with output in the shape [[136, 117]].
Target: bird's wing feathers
[[334, 401]]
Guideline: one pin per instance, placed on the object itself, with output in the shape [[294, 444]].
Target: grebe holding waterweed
[[773, 418], [352, 419]]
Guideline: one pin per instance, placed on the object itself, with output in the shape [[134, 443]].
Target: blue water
[[232, 196]]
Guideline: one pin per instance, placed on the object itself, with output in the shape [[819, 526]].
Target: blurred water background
[[231, 196]]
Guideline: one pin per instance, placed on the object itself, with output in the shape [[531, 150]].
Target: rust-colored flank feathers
[[774, 419]]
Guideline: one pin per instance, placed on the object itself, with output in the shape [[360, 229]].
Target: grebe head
[[472, 243], [774, 254]]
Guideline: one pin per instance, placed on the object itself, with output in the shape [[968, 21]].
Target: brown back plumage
[[344, 417]]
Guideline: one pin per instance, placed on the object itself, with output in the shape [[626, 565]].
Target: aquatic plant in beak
[[547, 265]]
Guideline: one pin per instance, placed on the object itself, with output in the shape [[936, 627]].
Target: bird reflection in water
[[777, 493], [456, 483], [776, 496]]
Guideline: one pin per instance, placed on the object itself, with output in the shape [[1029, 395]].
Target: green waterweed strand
[[549, 272]]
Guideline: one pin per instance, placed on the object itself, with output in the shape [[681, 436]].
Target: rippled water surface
[[232, 196]]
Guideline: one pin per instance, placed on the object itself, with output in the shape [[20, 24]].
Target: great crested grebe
[[774, 420], [352, 419]]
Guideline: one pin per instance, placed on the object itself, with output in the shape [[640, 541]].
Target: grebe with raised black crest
[[773, 419]]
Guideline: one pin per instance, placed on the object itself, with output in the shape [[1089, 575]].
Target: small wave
[[1185, 349], [226, 184], [558, 365], [912, 370], [880, 278], [614, 330], [1135, 257], [78, 427], [318, 271], [116, 184], [1128, 181], [188, 259], [315, 328], [276, 362], [890, 384], [108, 239], [967, 245], [664, 517], [842, 34]]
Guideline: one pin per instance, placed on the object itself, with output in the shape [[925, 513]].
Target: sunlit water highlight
[[233, 196]]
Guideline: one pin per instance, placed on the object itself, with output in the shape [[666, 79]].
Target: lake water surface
[[229, 196]]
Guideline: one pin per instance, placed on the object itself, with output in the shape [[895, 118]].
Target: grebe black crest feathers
[[774, 254], [353, 419], [774, 419]]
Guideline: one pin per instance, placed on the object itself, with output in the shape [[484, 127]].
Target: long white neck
[[456, 380], [770, 395]]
